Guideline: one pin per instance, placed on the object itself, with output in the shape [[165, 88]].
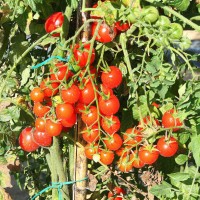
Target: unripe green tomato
[[162, 41], [163, 22], [132, 17], [176, 31], [185, 43], [131, 3], [150, 14]]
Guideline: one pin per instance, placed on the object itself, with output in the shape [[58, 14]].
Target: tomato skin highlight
[[112, 78], [64, 111], [42, 138], [37, 95], [167, 147], [40, 124], [106, 157], [26, 141], [53, 22]]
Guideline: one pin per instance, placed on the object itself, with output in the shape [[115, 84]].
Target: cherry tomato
[[112, 78], [110, 124], [79, 107], [136, 162], [125, 164], [170, 121], [175, 31], [53, 128], [132, 137], [69, 122], [106, 157], [122, 26], [91, 149], [71, 94], [148, 155], [50, 88], [40, 124], [53, 22], [123, 151], [105, 33], [113, 142], [81, 54], [167, 147], [87, 94], [150, 14], [64, 111], [109, 106], [163, 22], [37, 95], [116, 193], [42, 138], [40, 110], [60, 72], [90, 116], [91, 134], [105, 90], [26, 141]]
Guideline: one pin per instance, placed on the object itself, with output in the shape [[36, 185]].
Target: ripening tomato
[[90, 115], [37, 95], [81, 54], [112, 78], [122, 26], [109, 106], [87, 94], [42, 138], [132, 137], [106, 157], [71, 94], [40, 110], [113, 142], [64, 111], [167, 146], [26, 141], [91, 134], [60, 72], [110, 124], [69, 122], [91, 149], [53, 128], [148, 154], [125, 164], [53, 22], [116, 194], [50, 88], [40, 124], [105, 33], [170, 121]]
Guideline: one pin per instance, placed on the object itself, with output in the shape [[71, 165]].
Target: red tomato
[[87, 94], [60, 72], [69, 122], [110, 124], [53, 22], [109, 106], [37, 95], [81, 54], [136, 162], [132, 137], [90, 115], [106, 157], [125, 164], [123, 151], [122, 26], [91, 134], [155, 104], [40, 124], [170, 121], [50, 88], [167, 147], [106, 90], [40, 110], [53, 128], [148, 155], [117, 191], [42, 138], [64, 111], [113, 142], [71, 94], [26, 141], [79, 107], [105, 33], [112, 78], [85, 75], [91, 149]]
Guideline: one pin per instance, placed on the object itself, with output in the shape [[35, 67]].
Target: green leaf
[[194, 147], [181, 159], [179, 176], [162, 90], [184, 137], [182, 90], [3, 160], [25, 75], [10, 113]]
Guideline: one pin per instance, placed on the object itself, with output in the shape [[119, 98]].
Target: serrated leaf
[[181, 159], [25, 76], [179, 176], [10, 113], [162, 90]]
